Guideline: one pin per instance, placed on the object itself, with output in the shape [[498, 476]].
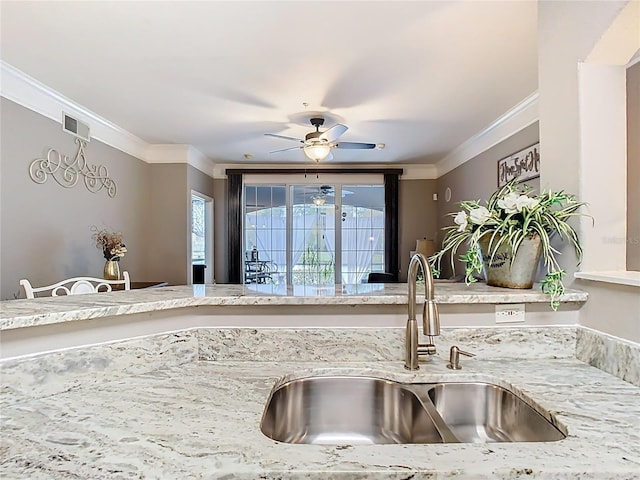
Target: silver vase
[[508, 270]]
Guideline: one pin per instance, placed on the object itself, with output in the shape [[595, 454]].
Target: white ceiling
[[420, 77]]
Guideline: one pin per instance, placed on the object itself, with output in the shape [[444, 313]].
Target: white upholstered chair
[[77, 286]]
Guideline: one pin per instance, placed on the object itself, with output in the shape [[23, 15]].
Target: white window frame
[[208, 234], [311, 178]]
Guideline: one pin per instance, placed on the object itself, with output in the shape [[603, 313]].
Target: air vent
[[75, 127]]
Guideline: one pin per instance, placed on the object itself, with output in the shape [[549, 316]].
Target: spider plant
[[511, 215]]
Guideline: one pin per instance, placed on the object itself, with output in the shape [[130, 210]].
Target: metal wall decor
[[524, 164], [66, 171]]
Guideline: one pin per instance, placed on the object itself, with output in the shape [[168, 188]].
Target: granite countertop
[[201, 420], [50, 310]]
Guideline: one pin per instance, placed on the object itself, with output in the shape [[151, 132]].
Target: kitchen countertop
[[200, 420], [52, 310]]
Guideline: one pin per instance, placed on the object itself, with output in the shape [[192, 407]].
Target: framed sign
[[524, 164]]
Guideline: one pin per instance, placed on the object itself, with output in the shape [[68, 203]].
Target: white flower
[[461, 220], [479, 215], [525, 202], [509, 202]]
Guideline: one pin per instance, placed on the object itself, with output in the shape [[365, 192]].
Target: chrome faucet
[[430, 318]]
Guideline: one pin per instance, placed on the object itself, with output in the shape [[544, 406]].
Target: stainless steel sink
[[363, 410], [347, 410], [483, 413]]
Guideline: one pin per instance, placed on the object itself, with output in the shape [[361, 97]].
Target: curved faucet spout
[[430, 317]]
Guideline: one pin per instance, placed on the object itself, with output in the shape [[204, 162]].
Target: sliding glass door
[[313, 234]]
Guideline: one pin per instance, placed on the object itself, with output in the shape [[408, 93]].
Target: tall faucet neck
[[430, 320], [419, 260]]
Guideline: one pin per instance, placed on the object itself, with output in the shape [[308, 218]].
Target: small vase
[[111, 270], [509, 270]]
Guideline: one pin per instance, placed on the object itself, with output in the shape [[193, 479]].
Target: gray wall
[[478, 179], [202, 183], [220, 231], [418, 217], [167, 224], [46, 229], [613, 309], [633, 167], [199, 181]]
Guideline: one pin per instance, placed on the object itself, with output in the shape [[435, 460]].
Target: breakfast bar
[[187, 403]]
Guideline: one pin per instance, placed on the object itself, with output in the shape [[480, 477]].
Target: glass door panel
[[313, 235], [362, 232], [265, 234]]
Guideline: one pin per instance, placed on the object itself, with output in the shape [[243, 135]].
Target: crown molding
[[179, 153], [516, 119], [167, 153], [199, 160], [25, 90], [20, 88]]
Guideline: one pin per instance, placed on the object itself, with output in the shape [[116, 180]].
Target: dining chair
[[77, 286], [381, 277]]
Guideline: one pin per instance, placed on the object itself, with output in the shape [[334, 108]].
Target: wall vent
[[75, 127]]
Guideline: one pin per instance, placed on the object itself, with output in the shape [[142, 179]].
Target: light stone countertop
[[51, 310], [200, 420]]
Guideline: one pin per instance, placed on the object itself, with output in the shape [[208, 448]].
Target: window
[[201, 237], [313, 234]]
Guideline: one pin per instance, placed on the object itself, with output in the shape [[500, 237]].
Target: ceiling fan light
[[318, 200], [317, 152]]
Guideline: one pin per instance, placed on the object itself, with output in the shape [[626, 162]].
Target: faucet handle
[[454, 357]]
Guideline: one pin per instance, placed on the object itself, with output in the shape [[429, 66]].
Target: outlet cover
[[510, 313]]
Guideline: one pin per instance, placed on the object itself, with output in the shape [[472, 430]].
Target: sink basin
[[362, 410], [483, 413], [347, 410]]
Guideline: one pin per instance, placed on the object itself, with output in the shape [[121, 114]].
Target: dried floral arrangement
[[110, 243]]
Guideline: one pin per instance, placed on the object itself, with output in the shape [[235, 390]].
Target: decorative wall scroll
[[524, 164], [66, 171]]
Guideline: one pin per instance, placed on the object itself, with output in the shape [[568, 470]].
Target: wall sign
[[66, 172], [524, 164]]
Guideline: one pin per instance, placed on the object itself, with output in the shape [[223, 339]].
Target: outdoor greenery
[[314, 268]]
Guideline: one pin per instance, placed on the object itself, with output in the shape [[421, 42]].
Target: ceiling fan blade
[[285, 149], [284, 137], [355, 145], [334, 132]]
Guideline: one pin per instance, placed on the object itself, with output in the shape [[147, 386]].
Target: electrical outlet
[[510, 313]]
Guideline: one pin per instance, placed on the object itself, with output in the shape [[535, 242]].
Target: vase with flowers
[[508, 235], [113, 249]]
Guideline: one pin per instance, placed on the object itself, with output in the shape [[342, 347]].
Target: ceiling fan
[[320, 193], [317, 145]]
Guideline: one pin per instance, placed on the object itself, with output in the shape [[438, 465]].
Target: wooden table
[[136, 285]]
